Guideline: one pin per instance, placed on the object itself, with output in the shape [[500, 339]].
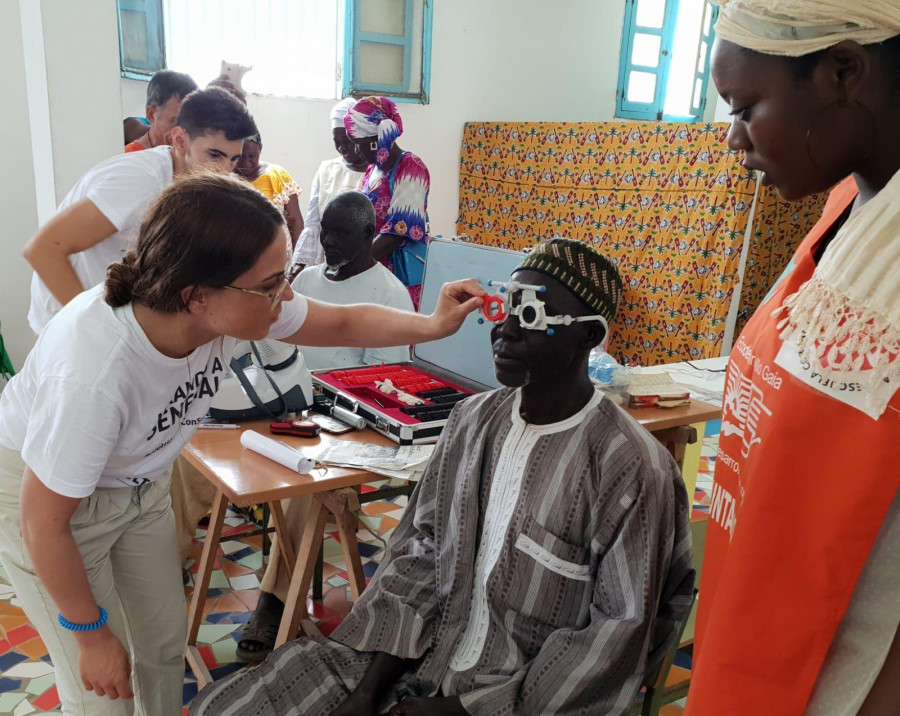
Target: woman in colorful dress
[[800, 597], [275, 182], [397, 183]]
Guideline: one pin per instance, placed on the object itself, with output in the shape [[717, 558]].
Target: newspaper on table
[[406, 462]]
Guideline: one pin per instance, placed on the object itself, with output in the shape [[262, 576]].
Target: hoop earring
[[843, 104]]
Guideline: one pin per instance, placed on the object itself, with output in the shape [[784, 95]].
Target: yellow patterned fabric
[[278, 185], [668, 202]]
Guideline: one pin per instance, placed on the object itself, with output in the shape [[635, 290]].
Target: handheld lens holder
[[531, 311]]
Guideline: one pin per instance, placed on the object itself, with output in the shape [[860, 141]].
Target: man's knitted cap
[[586, 272]]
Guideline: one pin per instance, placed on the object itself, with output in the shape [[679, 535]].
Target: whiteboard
[[468, 352]]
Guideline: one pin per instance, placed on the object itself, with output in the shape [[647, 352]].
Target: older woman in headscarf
[[397, 183], [333, 176], [800, 597]]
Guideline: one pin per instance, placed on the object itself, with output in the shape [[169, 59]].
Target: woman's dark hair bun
[[120, 278]]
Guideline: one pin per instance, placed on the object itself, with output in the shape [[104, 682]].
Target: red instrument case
[[441, 372]]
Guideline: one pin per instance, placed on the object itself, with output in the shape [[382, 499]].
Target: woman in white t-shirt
[[113, 389]]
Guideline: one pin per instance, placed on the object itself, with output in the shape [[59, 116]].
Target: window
[[297, 48], [141, 48], [664, 64], [382, 40]]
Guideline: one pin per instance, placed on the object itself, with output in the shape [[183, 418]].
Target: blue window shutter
[[356, 39], [142, 47], [348, 70], [651, 108], [704, 50], [362, 38]]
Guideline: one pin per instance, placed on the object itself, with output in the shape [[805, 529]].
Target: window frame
[[153, 17], [653, 111], [348, 82], [353, 37]]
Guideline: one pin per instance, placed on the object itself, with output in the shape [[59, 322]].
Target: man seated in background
[[543, 559], [349, 275], [165, 93]]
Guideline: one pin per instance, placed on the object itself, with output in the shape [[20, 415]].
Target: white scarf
[[848, 313], [799, 27]]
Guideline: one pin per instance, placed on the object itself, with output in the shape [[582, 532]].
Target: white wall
[[501, 60], [81, 50], [18, 212], [62, 115]]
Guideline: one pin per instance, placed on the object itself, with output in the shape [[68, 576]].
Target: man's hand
[[358, 704], [456, 301], [441, 706], [103, 661]]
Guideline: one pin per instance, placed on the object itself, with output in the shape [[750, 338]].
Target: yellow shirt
[[277, 185]]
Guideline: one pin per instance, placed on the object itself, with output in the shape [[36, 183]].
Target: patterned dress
[[403, 211], [568, 545]]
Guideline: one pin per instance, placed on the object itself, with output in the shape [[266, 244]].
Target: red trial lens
[[493, 308]]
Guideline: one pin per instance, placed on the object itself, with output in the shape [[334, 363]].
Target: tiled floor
[[26, 676]]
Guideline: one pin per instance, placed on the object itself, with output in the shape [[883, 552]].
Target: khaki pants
[[296, 513], [127, 542], [192, 499]]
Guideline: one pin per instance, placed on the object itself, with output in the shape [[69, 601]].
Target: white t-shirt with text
[[375, 285], [123, 187], [96, 405]]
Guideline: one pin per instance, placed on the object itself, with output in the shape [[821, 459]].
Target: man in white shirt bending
[[351, 275], [98, 220]]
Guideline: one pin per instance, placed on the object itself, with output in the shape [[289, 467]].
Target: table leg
[[285, 545], [347, 521], [318, 575], [201, 586], [676, 439], [295, 605]]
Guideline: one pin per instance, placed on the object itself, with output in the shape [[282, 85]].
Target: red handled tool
[[297, 428]]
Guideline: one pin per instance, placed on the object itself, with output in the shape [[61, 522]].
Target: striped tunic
[[594, 566]]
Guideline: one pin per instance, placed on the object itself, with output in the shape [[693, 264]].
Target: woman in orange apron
[[800, 597]]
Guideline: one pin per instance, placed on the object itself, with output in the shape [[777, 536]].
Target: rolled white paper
[[277, 451]]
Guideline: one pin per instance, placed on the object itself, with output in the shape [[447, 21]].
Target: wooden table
[[672, 426], [246, 478]]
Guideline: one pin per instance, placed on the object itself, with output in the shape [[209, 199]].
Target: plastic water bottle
[[602, 367]]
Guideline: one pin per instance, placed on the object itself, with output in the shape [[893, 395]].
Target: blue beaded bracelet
[[71, 626]]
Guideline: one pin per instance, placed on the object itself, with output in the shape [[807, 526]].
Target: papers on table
[[705, 378], [406, 462], [656, 390]]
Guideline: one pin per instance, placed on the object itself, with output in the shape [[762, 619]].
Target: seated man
[[351, 275], [542, 559]]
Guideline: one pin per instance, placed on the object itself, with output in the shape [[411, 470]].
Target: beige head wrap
[[799, 27]]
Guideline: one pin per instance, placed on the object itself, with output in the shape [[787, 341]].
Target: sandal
[[258, 638]]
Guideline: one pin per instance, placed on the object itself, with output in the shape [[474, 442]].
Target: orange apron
[[803, 482]]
